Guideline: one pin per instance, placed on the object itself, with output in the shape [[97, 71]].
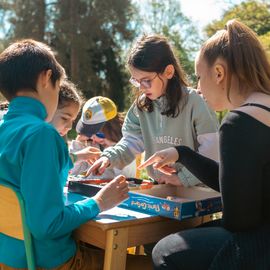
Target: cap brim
[[88, 130]]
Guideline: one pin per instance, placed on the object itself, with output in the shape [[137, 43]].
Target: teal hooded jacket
[[34, 159]]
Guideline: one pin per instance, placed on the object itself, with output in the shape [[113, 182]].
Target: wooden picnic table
[[117, 229]]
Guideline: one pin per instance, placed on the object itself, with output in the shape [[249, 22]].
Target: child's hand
[[90, 154], [99, 167], [161, 159], [112, 194], [169, 179]]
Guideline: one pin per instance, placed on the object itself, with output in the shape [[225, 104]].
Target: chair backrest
[[13, 220]]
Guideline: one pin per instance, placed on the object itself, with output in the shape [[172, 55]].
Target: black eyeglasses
[[144, 83]]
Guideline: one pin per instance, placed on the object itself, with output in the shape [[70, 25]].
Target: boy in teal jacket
[[34, 158]]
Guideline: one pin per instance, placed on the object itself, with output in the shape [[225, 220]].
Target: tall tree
[[88, 35], [26, 18], [74, 63]]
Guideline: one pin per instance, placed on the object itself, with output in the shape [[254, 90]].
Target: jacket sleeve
[[205, 169], [242, 163], [130, 145], [187, 178], [205, 126], [45, 165]]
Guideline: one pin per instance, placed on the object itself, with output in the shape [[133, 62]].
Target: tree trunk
[[74, 67], [41, 20]]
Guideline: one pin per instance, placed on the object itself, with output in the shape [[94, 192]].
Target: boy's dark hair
[[21, 64], [68, 93], [153, 53]]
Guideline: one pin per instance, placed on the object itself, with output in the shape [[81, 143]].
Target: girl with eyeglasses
[[166, 113]]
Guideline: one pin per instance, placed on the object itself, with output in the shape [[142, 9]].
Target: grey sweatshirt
[[195, 126]]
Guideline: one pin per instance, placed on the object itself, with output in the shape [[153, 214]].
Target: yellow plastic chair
[[13, 221]]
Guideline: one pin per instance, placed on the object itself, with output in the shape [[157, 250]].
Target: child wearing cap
[[101, 124], [111, 132], [34, 160], [96, 111]]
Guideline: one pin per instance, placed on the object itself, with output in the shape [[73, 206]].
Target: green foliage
[[72, 134], [265, 40], [26, 18], [221, 115], [2, 45], [254, 14], [89, 35]]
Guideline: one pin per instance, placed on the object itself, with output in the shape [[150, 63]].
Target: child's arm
[[44, 173], [205, 126], [130, 145], [89, 154], [187, 178]]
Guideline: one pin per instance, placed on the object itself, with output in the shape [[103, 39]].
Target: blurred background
[[93, 37]]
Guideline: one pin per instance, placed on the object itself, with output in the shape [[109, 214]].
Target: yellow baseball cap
[[96, 111]]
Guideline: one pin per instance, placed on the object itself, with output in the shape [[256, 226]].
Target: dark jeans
[[190, 249]]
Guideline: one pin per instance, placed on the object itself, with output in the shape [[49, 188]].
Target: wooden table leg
[[116, 249]]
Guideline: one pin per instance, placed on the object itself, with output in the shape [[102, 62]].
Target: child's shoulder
[[43, 128], [44, 135], [133, 109], [191, 97], [191, 92]]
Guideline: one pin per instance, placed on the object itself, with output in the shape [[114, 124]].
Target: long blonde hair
[[246, 59]]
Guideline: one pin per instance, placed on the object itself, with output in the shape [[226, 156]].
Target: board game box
[[165, 200]]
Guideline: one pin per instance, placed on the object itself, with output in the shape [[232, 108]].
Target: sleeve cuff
[[107, 155], [93, 207], [188, 179]]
